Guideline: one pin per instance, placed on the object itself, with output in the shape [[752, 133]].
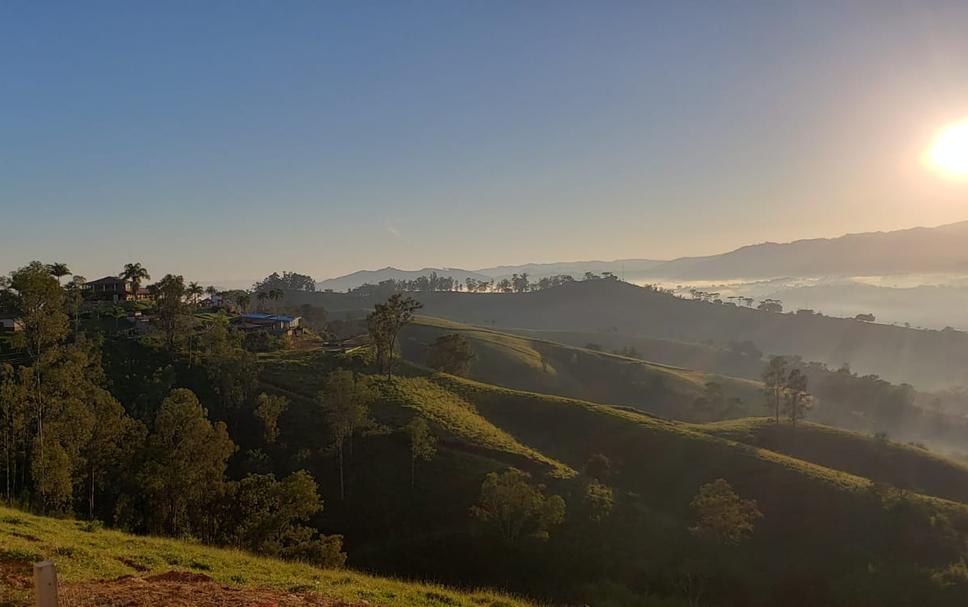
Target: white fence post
[[45, 584]]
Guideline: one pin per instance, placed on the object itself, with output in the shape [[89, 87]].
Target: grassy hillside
[[704, 357], [539, 365], [903, 466], [830, 521], [83, 554], [300, 375]]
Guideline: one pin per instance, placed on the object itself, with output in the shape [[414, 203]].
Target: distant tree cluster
[[516, 283], [287, 281]]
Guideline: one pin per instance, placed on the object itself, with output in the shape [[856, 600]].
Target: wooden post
[[45, 584]]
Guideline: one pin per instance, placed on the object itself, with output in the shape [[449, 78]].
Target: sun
[[949, 152]]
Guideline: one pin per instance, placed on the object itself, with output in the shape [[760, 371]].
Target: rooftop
[[262, 316], [107, 280]]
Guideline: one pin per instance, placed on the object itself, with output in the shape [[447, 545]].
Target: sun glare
[[949, 152]]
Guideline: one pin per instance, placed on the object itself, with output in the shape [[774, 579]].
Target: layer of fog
[[932, 301]]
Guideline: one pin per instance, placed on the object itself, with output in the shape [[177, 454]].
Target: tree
[[345, 403], [774, 383], [451, 354], [721, 515], [75, 297], [288, 281], [270, 517], [598, 467], [38, 300], [711, 406], [423, 445], [171, 306], [104, 448], [865, 317], [58, 270], [14, 423], [276, 294], [194, 291], [57, 424], [797, 400], [771, 305], [232, 371], [385, 323], [185, 468], [135, 274], [599, 499], [515, 508], [520, 283], [268, 409], [261, 297], [211, 290]]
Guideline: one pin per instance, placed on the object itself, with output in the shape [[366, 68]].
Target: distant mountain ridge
[[914, 250]]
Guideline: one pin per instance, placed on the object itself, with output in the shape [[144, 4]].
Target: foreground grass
[[83, 554]]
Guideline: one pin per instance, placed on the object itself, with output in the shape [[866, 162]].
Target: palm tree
[[194, 291], [134, 273], [58, 270], [262, 296], [211, 290], [243, 299]]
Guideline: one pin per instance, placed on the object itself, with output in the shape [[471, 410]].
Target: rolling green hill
[[539, 365], [904, 466], [821, 511], [530, 360]]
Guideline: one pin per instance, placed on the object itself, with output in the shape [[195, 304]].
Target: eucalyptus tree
[[345, 404], [385, 323]]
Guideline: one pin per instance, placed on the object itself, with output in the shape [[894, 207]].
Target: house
[[10, 323], [109, 288], [280, 324], [113, 289], [142, 294]]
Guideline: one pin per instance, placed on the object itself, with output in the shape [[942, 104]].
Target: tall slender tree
[[345, 403], [797, 400], [774, 382]]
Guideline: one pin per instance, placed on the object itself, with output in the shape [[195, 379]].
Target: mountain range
[[921, 250]]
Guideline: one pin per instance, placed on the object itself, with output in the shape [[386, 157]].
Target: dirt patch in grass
[[183, 589], [15, 574]]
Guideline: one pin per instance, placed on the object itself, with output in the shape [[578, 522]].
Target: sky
[[227, 140]]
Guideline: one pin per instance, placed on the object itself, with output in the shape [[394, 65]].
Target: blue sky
[[225, 140]]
